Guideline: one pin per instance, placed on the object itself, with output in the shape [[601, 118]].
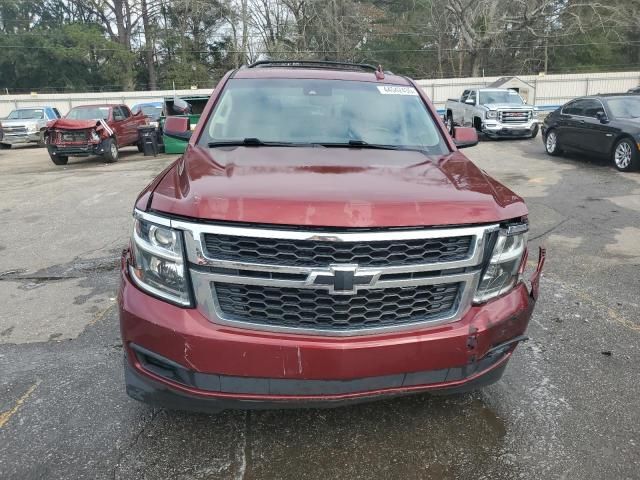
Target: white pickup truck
[[496, 112]]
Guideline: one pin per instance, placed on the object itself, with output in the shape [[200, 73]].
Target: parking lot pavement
[[566, 408]]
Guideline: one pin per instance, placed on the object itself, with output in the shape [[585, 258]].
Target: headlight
[[492, 114], [94, 136], [32, 128], [502, 274], [158, 262]]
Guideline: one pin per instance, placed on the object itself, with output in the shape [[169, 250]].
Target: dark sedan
[[608, 125]]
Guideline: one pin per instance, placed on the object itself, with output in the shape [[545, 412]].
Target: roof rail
[[313, 64]]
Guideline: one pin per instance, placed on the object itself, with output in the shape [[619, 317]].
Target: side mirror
[[465, 137], [118, 118], [602, 117], [470, 101], [177, 127]]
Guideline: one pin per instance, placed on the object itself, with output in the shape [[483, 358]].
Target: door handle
[[582, 122]]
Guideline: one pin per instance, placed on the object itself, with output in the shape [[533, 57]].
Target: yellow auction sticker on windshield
[[396, 90]]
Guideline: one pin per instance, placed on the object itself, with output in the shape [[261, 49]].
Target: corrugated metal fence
[[548, 91]]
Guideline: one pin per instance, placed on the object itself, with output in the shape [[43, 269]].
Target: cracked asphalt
[[567, 407]]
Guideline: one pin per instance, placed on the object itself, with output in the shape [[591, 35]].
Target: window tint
[[590, 107], [124, 111], [323, 111], [465, 95], [572, 108]]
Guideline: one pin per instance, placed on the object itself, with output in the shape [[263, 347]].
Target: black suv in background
[[608, 125]]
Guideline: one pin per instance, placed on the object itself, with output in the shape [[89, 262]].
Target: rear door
[[568, 125], [459, 108], [470, 109]]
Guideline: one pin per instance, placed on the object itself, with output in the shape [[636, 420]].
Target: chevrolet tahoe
[[321, 241]]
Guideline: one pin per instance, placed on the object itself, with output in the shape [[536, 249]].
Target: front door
[[592, 135]]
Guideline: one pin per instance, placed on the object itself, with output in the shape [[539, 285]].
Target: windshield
[[153, 111], [150, 111], [88, 113], [624, 107], [27, 114], [305, 111], [500, 96]]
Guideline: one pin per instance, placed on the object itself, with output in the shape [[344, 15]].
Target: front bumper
[[20, 138], [177, 358], [75, 150], [498, 129]]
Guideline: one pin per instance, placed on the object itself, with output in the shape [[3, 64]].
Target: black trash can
[[148, 140]]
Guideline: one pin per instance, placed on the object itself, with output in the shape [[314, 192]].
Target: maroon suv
[[321, 241]]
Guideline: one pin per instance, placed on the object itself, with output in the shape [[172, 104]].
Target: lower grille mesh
[[318, 309]]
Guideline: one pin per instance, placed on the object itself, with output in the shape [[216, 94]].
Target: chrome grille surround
[[514, 116], [206, 271]]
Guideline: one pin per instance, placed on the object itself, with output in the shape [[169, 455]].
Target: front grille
[[319, 310], [309, 253], [15, 130], [76, 136], [514, 117]]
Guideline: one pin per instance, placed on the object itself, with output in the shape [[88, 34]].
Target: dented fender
[[535, 278]]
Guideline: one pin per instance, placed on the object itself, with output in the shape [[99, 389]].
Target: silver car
[[27, 125]]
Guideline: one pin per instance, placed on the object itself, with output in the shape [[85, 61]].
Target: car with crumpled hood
[[94, 130]]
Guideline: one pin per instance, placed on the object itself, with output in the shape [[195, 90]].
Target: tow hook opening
[[503, 347]]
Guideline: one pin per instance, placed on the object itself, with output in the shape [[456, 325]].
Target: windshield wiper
[[250, 142], [363, 144]]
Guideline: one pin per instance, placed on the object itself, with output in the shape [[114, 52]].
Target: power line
[[535, 45]]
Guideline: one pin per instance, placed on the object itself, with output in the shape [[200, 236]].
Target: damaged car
[[93, 130]]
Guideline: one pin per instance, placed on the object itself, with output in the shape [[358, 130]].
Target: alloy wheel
[[552, 142], [623, 155]]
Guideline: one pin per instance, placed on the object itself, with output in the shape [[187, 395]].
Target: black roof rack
[[313, 64]]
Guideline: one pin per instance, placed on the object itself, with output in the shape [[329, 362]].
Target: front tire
[[551, 144], [41, 140], [626, 156], [59, 159], [534, 134], [110, 148], [449, 123], [5, 146]]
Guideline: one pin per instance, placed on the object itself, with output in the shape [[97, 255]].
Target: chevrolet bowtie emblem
[[342, 279]]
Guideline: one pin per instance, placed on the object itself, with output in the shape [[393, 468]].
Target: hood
[[332, 187], [67, 124], [507, 106]]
